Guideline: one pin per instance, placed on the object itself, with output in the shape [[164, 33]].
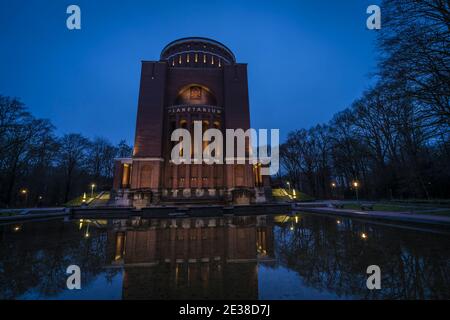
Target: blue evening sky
[[307, 59]]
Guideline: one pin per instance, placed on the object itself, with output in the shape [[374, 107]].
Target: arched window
[[195, 95]]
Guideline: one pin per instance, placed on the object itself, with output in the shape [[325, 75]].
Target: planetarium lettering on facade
[[189, 109]]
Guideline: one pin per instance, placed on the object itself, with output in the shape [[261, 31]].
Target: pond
[[299, 256]]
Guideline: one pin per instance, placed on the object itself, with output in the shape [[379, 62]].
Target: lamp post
[[24, 192], [356, 185], [92, 190], [333, 190]]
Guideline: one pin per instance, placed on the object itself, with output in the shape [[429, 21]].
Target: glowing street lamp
[[92, 189], [333, 191], [87, 234], [24, 192], [290, 190], [356, 186]]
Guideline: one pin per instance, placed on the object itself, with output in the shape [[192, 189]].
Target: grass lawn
[[433, 202], [78, 201], [5, 213]]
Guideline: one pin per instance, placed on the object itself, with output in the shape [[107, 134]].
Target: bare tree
[[415, 43], [72, 156]]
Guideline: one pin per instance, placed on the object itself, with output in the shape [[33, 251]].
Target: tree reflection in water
[[333, 255], [220, 258], [34, 259]]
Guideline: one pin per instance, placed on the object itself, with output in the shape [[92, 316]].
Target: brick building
[[196, 79]]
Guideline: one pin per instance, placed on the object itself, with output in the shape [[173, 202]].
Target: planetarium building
[[195, 80]]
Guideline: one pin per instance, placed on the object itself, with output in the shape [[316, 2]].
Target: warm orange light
[[356, 184], [364, 236]]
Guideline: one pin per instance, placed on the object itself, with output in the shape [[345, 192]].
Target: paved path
[[382, 215]]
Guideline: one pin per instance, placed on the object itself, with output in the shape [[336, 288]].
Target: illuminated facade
[[196, 79]]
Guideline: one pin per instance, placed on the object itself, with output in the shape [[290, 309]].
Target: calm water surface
[[263, 257]]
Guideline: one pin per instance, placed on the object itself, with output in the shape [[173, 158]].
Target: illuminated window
[[204, 58], [220, 63], [196, 57], [187, 58], [212, 59], [179, 59]]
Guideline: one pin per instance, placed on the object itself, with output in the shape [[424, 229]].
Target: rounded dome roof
[[198, 44]]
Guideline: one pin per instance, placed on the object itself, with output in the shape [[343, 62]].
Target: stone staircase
[[101, 200], [189, 201]]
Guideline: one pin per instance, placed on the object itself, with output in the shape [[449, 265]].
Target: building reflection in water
[[283, 257], [214, 258]]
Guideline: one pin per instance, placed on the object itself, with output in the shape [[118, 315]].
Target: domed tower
[[196, 79]]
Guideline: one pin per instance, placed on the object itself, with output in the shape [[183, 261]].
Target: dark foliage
[[51, 169], [394, 140]]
